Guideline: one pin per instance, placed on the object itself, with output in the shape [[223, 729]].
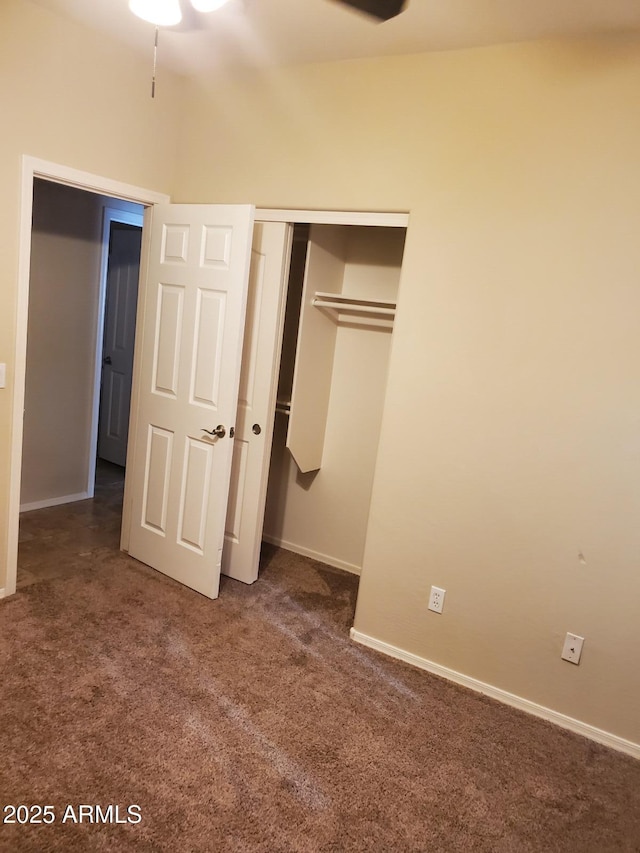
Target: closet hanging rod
[[354, 309], [352, 305], [354, 300]]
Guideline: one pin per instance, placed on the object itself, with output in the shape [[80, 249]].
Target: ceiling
[[258, 33]]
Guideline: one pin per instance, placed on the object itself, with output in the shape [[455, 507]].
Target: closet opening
[[341, 298]]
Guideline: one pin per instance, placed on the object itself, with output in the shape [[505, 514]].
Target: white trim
[[111, 214], [91, 183], [2, 593], [562, 720], [34, 168], [62, 499], [332, 217], [315, 555]]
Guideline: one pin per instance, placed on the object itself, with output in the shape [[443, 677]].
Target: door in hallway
[[119, 331]]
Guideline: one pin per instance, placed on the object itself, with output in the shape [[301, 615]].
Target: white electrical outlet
[[436, 599], [572, 648]]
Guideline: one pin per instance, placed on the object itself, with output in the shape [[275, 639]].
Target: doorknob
[[218, 432], [106, 359], [256, 429]]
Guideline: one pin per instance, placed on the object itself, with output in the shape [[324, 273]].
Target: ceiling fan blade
[[383, 10]]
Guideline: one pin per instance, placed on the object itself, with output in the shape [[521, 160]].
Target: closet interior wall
[[324, 513]]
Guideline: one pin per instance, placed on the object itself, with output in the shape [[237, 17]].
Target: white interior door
[[191, 322], [270, 256], [119, 333]]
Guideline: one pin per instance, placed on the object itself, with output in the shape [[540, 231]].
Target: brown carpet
[[253, 723]]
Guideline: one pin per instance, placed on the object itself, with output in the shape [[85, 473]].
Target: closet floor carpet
[[253, 723]]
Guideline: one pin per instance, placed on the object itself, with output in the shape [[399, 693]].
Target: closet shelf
[[352, 305]]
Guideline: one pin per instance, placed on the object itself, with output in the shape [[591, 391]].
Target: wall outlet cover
[[572, 648], [436, 599]]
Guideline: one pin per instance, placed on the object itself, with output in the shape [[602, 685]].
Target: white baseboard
[[2, 593], [552, 716], [63, 499], [315, 555]]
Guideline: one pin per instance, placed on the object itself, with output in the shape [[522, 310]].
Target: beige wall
[[508, 466], [61, 342], [71, 97]]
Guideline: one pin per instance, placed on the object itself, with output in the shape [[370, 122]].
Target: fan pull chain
[[155, 63]]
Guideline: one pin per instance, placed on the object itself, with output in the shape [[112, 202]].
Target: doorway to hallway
[[85, 256], [33, 169]]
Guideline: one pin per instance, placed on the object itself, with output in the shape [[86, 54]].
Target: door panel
[[207, 348], [166, 355], [119, 332], [156, 479], [257, 399], [194, 495], [190, 349]]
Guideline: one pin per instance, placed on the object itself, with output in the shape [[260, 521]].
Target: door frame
[[332, 217], [32, 168], [126, 217]]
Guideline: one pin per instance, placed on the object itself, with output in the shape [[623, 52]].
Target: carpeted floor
[[253, 723], [57, 541]]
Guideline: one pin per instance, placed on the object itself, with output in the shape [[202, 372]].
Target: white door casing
[[31, 168], [187, 367], [119, 333], [270, 258]]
